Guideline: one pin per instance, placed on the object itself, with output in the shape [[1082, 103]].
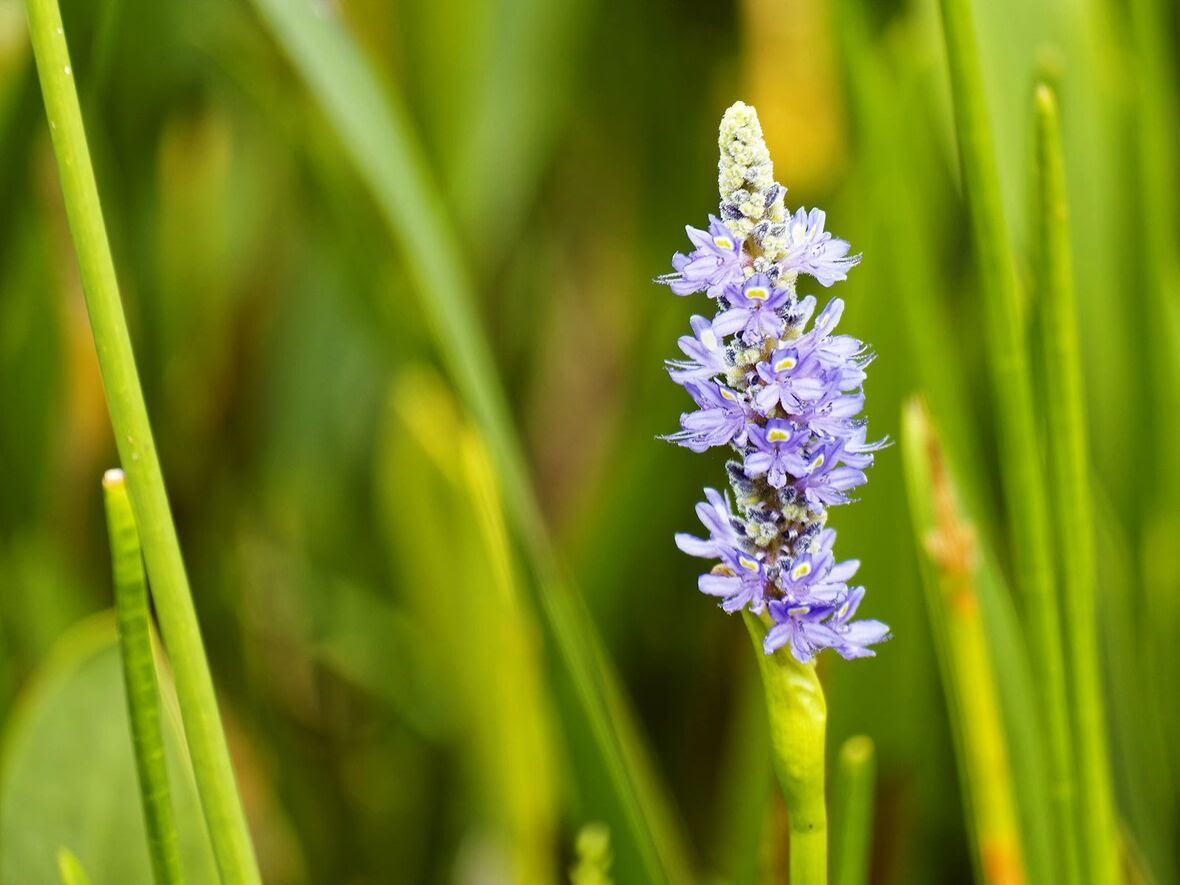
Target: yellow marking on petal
[[786, 364], [751, 564], [798, 610], [802, 570], [728, 394], [723, 242], [758, 293], [778, 435], [817, 463], [843, 612]]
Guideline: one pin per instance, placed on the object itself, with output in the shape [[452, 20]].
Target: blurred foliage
[[393, 706]]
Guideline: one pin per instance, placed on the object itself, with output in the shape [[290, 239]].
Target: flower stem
[[1069, 461], [139, 677], [856, 772], [798, 718], [137, 452], [1021, 471]]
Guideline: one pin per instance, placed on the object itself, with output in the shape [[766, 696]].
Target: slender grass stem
[[377, 136], [1070, 467], [856, 772], [950, 564], [145, 482], [798, 720], [139, 677], [1021, 471]]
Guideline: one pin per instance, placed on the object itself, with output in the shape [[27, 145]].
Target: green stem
[[1024, 488], [1069, 462], [951, 575], [856, 773], [145, 482], [798, 717], [139, 677]]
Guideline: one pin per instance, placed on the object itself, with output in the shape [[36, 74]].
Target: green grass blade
[[375, 133], [1021, 472], [137, 451], [1070, 469], [139, 678], [951, 566], [856, 788]]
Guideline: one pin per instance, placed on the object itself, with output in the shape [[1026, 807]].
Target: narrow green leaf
[[1021, 472], [375, 133], [1073, 510], [950, 568], [798, 722], [855, 789], [139, 678], [68, 771], [137, 450]]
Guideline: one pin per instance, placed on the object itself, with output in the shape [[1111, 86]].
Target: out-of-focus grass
[[571, 143]]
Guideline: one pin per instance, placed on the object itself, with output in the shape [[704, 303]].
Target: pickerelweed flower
[[785, 398]]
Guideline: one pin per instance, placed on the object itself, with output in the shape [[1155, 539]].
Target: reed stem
[[1070, 467], [856, 772], [1021, 471], [139, 678], [137, 452]]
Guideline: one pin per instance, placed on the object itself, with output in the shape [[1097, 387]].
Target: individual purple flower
[[808, 628], [856, 636], [813, 251], [774, 444], [720, 420], [814, 575], [715, 515], [792, 377], [740, 581], [711, 266], [825, 474], [753, 310], [705, 352]]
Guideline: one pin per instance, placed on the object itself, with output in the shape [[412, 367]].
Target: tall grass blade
[[442, 502], [139, 678], [950, 566], [856, 788], [375, 133], [1021, 471], [1073, 511], [137, 451]]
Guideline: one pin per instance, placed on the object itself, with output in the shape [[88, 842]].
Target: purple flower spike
[[786, 398]]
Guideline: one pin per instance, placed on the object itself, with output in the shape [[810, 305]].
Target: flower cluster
[[784, 397]]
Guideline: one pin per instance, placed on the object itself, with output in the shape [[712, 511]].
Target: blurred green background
[[394, 700]]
